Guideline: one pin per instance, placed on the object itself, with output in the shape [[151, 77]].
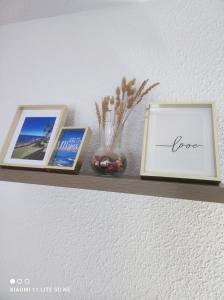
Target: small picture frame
[[31, 135], [180, 142], [68, 151]]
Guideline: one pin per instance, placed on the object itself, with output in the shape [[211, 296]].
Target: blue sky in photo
[[35, 126]]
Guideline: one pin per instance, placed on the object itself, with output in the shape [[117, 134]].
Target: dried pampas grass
[[121, 105]]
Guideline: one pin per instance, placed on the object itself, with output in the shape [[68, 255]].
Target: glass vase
[[109, 159]]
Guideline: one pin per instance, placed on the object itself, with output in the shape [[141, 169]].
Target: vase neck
[[108, 139]]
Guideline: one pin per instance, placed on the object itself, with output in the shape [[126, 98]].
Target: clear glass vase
[[109, 159]]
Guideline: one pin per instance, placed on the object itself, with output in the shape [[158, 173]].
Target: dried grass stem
[[121, 105]]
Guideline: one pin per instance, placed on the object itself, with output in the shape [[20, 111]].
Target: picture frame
[[31, 135], [180, 142], [68, 151]]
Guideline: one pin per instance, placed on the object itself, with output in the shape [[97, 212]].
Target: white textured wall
[[110, 246], [105, 245]]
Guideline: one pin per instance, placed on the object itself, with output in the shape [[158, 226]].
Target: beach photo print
[[32, 135], [69, 149], [34, 138]]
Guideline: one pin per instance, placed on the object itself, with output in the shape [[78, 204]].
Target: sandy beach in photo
[[34, 150]]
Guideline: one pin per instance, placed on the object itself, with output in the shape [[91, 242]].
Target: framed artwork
[[180, 142], [68, 151], [31, 135]]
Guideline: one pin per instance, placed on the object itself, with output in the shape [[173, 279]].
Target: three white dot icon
[[19, 281]]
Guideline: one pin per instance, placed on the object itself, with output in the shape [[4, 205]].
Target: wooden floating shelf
[[129, 185]]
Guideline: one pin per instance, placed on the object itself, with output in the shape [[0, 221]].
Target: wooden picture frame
[[31, 135], [180, 142], [73, 142]]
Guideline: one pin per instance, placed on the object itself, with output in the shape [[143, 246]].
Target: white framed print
[[31, 135], [180, 142]]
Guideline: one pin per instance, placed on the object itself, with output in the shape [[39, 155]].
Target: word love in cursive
[[178, 144]]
